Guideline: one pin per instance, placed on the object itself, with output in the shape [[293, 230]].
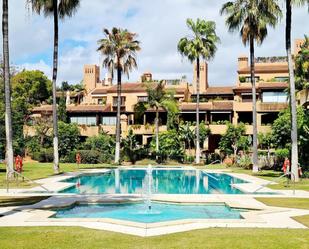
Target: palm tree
[[187, 135], [288, 28], [119, 48], [201, 46], [158, 99], [251, 18], [57, 9], [7, 89]]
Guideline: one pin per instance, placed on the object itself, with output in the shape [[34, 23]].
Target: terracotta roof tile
[[266, 69], [76, 109], [208, 106]]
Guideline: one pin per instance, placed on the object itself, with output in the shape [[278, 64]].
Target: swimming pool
[[138, 212], [164, 181]]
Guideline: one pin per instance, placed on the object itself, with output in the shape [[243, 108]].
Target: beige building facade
[[96, 111]]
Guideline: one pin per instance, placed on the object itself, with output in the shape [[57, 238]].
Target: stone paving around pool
[[259, 214]]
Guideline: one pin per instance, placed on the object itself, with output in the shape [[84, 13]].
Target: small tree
[[131, 147], [68, 137], [234, 139], [266, 141]]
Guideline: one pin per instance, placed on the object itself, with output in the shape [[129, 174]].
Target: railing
[[28, 179], [277, 179]]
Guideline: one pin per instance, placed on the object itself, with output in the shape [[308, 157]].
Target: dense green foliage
[[131, 148], [234, 139], [33, 87], [29, 88], [170, 146], [68, 138], [103, 143], [281, 130], [302, 66]]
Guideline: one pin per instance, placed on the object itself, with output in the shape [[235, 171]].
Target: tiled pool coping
[[261, 215]]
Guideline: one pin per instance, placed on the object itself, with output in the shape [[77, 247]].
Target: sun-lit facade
[[95, 109]]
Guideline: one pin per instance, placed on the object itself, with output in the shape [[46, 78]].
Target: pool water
[[172, 181], [139, 212]]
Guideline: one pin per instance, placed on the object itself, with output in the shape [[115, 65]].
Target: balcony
[[88, 131], [243, 106], [261, 128], [109, 129], [146, 129], [271, 107], [217, 129]]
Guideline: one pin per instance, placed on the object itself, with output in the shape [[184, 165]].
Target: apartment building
[[95, 109]]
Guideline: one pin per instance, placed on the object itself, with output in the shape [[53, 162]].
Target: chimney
[[146, 77], [203, 77], [91, 77], [297, 45], [242, 62]]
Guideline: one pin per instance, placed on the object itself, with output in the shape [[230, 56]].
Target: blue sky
[[160, 24]]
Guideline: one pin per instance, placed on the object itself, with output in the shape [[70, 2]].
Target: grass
[[73, 237], [36, 171], [302, 203], [303, 220], [19, 201], [41, 170]]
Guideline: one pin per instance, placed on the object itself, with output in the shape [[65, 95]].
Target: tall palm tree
[[119, 49], [158, 99], [57, 9], [201, 46], [251, 18], [288, 28], [7, 89]]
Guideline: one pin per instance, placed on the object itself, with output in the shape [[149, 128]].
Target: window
[[282, 79], [123, 100], [108, 120], [102, 101], [248, 79], [274, 97], [89, 121], [142, 99]]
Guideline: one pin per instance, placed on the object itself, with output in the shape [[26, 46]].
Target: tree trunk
[[235, 152], [197, 152], [157, 133], [55, 69], [7, 90], [294, 152], [255, 167], [118, 128]]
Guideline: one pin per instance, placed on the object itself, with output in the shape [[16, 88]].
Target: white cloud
[[160, 24], [41, 65]]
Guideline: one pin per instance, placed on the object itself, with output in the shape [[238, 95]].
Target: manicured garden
[[36, 170], [73, 237]]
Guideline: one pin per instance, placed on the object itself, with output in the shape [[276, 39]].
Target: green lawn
[[73, 237], [303, 220], [302, 203], [42, 170]]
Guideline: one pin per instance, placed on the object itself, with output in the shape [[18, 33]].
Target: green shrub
[[282, 153], [44, 155], [245, 162]]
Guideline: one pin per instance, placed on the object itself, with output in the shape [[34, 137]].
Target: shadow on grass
[[20, 201]]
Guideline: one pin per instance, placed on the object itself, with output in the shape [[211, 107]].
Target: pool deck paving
[[258, 216]]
